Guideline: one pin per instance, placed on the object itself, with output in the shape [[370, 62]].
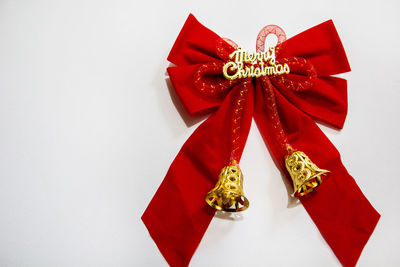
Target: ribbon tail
[[343, 215], [178, 215]]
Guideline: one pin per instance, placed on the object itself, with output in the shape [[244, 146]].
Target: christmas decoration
[[285, 88]]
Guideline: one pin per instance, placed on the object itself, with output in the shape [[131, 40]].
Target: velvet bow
[[339, 209]]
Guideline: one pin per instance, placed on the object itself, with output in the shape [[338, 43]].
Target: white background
[[88, 129]]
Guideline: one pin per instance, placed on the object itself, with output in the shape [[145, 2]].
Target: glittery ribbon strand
[[236, 119]]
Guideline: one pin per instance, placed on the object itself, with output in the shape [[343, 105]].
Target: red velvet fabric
[[178, 216]]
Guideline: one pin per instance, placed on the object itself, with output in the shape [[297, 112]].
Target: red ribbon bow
[[284, 108]]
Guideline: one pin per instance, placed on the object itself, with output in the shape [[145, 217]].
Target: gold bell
[[227, 194], [305, 174]]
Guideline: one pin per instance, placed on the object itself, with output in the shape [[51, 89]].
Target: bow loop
[[195, 44], [322, 46]]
